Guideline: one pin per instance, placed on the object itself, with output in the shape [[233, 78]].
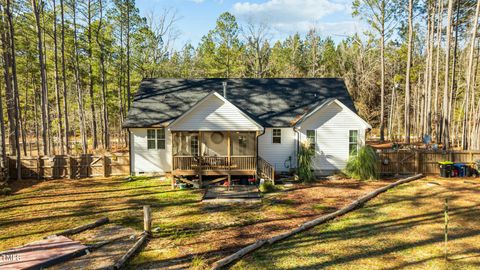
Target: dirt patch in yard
[[227, 228]]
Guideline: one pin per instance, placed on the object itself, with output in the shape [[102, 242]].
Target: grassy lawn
[[401, 229], [188, 232]]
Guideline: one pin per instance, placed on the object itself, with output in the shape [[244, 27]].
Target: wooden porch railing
[[266, 170], [242, 163], [239, 163]]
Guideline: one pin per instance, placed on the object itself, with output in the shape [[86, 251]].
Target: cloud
[[290, 16], [197, 1]]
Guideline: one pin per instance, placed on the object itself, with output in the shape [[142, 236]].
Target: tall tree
[[407, 76], [380, 14], [81, 113], [445, 124], [221, 48], [257, 48], [64, 79], [469, 74], [16, 99], [57, 83], [90, 72], [103, 78], [37, 8]]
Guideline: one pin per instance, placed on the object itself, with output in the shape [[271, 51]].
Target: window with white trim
[[276, 135], [353, 142], [311, 138], [194, 146], [156, 138]]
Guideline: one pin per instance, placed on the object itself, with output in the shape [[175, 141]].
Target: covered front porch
[[206, 153]]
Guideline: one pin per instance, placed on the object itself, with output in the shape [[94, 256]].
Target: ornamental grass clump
[[364, 165], [305, 156]]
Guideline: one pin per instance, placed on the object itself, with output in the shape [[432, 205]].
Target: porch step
[[233, 194]]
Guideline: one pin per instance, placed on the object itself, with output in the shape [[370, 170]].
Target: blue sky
[[331, 17]]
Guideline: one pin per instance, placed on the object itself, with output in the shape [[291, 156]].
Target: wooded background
[[70, 68]]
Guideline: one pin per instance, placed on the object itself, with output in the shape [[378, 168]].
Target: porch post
[[200, 143], [228, 149], [228, 158]]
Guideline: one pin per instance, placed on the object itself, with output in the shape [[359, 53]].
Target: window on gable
[[156, 138], [353, 142], [311, 138], [277, 135]]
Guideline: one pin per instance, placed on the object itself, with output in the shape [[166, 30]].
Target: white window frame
[[313, 144], [156, 139], [276, 136], [352, 143]]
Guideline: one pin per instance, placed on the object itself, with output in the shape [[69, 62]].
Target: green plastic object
[[445, 163]]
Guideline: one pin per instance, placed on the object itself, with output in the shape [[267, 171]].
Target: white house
[[231, 127]]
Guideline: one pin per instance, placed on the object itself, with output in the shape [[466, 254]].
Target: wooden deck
[[41, 254]]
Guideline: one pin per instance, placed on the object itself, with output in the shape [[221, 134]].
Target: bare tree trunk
[[64, 80], [43, 76], [90, 75], [453, 83], [10, 100], [57, 86], [445, 112], [81, 113], [3, 150], [437, 121], [128, 56], [428, 106], [407, 77], [106, 135], [35, 115], [382, 73], [16, 99], [468, 75]]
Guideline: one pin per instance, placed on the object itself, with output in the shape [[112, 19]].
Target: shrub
[[5, 191], [267, 187], [305, 156], [364, 165]]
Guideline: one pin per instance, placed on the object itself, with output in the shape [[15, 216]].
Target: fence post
[[417, 161], [104, 166], [38, 167], [71, 176], [147, 219]]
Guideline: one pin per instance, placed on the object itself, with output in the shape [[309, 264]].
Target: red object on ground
[[41, 254]]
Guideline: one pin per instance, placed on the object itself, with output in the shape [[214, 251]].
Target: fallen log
[[97, 245], [120, 263], [82, 228], [305, 226]]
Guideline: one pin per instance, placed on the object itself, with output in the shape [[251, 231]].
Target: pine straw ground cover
[[401, 229], [188, 233]]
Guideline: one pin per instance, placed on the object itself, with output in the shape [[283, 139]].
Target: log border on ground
[[82, 228], [305, 226]]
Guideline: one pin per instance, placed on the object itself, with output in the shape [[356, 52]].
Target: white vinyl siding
[[146, 160], [214, 114], [278, 154], [332, 125]]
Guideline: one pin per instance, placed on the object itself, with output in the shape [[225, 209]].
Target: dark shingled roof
[[271, 102]]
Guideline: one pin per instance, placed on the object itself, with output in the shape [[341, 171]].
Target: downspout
[[256, 150], [130, 151], [297, 148]]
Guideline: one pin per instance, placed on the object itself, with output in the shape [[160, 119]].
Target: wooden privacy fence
[[63, 166], [422, 161]]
